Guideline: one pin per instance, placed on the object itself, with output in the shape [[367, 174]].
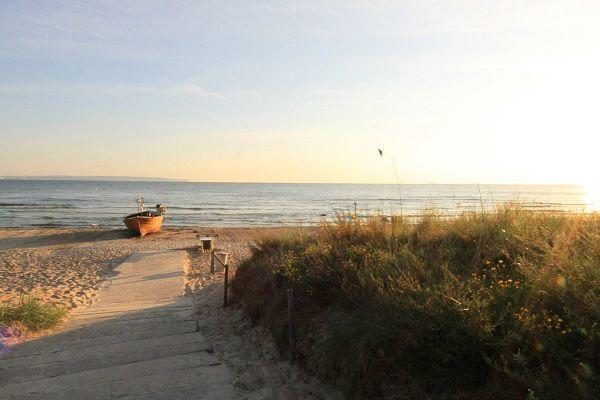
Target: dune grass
[[30, 314], [487, 305]]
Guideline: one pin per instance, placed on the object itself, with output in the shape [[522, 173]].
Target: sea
[[80, 203]]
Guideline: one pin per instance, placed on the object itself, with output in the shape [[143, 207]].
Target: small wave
[[49, 225], [36, 205], [207, 208]]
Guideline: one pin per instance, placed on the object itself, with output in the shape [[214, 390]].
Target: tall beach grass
[[487, 305]]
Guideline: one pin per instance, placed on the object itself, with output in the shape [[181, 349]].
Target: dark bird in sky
[[380, 152]]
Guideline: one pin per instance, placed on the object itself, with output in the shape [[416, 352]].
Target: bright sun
[[592, 196], [548, 133]]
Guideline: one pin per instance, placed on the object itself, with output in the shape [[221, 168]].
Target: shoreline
[[332, 216], [168, 228]]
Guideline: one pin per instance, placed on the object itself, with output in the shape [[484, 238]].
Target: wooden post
[[220, 260], [225, 284], [212, 261], [290, 304]]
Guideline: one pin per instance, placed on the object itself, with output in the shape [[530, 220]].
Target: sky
[[454, 91]]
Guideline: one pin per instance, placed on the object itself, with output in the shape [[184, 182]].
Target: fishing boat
[[145, 221]]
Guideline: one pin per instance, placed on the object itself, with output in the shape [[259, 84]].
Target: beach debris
[[9, 336]]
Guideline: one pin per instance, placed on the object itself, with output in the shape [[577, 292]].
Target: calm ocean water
[[99, 203]]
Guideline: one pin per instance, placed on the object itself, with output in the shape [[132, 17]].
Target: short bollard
[[206, 244]]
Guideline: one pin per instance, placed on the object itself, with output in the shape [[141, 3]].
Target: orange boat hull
[[143, 225]]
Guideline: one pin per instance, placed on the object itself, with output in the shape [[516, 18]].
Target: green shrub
[[501, 304], [30, 314]]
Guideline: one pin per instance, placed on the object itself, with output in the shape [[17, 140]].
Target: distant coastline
[[100, 178], [92, 178]]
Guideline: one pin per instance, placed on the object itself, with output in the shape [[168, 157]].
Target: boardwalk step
[[139, 340]]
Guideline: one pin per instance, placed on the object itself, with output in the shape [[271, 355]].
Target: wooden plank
[[194, 374], [68, 361], [139, 340], [54, 344]]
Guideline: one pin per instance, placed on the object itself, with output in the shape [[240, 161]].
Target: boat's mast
[[140, 203]]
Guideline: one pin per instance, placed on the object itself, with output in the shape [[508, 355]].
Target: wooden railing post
[[225, 286], [212, 262], [290, 306], [223, 262]]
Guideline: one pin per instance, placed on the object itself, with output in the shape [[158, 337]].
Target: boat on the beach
[[145, 221]]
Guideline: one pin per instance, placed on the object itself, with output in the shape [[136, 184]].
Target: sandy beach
[[67, 266]]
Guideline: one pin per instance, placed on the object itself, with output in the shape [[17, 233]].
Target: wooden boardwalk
[[138, 341]]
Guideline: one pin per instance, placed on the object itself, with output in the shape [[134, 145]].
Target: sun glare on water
[[592, 196]]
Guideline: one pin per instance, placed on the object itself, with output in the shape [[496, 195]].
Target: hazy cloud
[[186, 89]]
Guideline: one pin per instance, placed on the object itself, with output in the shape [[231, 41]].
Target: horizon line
[[125, 178]]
